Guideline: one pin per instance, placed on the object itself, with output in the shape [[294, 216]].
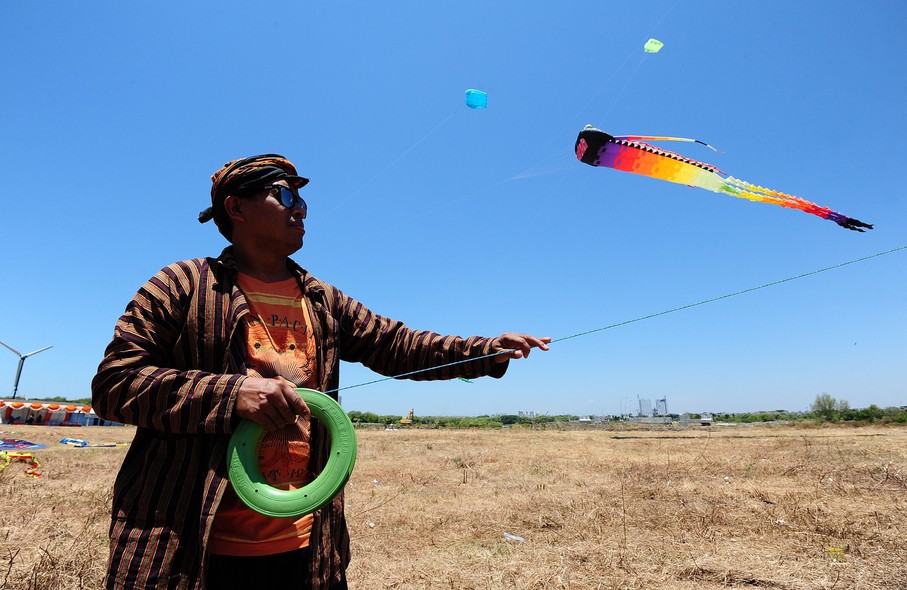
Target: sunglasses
[[289, 197]]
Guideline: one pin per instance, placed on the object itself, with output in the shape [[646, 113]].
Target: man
[[208, 342]]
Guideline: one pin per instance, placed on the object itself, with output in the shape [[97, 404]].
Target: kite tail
[[6, 457], [662, 138], [747, 190], [34, 468]]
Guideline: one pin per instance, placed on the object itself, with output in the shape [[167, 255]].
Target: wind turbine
[[22, 358]]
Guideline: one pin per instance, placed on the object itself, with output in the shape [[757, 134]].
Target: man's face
[[269, 223]]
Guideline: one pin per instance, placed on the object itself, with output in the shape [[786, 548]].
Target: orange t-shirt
[[279, 344]]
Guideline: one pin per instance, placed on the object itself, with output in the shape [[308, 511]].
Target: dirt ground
[[720, 507]]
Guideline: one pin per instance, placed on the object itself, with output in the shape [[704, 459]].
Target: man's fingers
[[541, 343], [535, 342], [299, 406], [519, 345], [296, 406], [285, 406]]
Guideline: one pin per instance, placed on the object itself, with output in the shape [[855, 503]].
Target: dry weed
[[761, 507], [710, 508]]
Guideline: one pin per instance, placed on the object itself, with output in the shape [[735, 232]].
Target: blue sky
[[479, 221]]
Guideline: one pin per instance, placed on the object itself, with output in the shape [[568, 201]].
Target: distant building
[[590, 420], [652, 420], [661, 407], [645, 407]]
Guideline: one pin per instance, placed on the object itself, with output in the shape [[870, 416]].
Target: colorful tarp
[[75, 442], [18, 444]]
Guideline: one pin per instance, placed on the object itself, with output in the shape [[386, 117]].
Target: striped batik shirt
[[174, 368]]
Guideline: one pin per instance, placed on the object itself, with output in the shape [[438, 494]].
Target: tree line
[[486, 421], [825, 408]]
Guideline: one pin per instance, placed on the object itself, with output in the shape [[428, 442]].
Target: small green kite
[[653, 46]]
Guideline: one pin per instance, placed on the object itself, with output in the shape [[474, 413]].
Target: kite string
[[394, 161], [626, 84], [638, 319], [636, 69], [593, 95]]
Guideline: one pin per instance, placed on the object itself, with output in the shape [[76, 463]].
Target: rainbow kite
[[627, 153]]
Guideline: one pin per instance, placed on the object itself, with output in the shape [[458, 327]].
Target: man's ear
[[233, 206]]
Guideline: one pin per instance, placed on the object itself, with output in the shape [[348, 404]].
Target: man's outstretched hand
[[518, 345]]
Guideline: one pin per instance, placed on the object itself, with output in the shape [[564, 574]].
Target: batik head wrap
[[247, 175]]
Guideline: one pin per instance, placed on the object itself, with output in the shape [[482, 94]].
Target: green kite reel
[[254, 491]]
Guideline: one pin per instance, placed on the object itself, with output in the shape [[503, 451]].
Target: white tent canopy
[[48, 413]]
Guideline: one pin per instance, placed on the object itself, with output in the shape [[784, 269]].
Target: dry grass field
[[720, 507]]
